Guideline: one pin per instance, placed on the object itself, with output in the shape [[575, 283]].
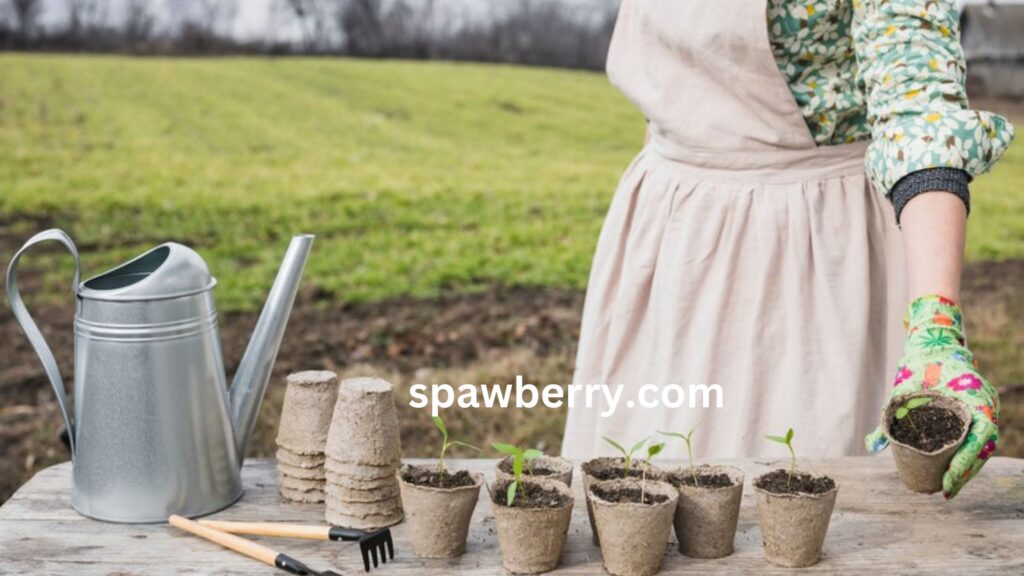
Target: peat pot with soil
[[793, 510], [709, 505], [925, 430], [614, 468], [633, 517], [546, 467], [439, 503], [531, 514]]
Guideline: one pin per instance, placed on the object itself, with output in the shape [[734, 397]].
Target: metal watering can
[[155, 430]]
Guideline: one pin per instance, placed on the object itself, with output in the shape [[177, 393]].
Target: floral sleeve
[[911, 65]]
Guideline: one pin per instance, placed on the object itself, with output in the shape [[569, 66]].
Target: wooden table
[[877, 528]]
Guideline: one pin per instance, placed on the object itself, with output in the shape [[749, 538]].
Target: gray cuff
[[952, 180]]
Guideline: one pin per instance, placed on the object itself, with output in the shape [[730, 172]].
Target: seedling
[[446, 444], [906, 411], [689, 445], [627, 455], [520, 458], [652, 451], [788, 441]]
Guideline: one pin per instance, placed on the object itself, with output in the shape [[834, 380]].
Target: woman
[[803, 180]]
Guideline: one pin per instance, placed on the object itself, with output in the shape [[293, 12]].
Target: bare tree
[[84, 14], [87, 27], [138, 26], [362, 26], [218, 15], [314, 20], [26, 19], [202, 26]]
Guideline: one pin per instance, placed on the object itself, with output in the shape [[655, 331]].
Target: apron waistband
[[770, 166]]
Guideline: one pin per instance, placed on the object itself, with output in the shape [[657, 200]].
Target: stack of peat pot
[[302, 435], [363, 454]]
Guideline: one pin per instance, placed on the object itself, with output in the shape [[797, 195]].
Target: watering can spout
[[253, 373]]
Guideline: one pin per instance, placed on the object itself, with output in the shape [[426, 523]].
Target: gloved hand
[[936, 358]]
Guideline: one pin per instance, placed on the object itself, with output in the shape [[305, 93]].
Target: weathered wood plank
[[877, 527]]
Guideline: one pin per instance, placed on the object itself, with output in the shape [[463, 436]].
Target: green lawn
[[416, 177]]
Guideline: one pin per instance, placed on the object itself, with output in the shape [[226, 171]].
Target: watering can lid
[[167, 271]]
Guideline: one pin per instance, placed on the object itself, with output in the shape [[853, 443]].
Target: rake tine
[[390, 543], [383, 552], [366, 559], [373, 553]]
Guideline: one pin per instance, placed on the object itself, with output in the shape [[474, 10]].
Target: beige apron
[[735, 253]]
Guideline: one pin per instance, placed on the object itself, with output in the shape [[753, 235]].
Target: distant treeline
[[535, 32]]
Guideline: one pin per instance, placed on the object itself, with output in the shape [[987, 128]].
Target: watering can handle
[[29, 325]]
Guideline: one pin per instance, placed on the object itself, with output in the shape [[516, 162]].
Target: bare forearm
[[934, 230]]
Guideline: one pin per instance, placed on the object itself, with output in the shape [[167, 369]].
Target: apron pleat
[[782, 294]]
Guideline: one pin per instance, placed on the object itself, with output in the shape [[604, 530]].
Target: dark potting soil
[[703, 480], [778, 482], [432, 478], [932, 428], [627, 494], [612, 469], [529, 495], [506, 467]]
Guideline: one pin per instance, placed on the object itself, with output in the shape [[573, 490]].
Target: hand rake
[[248, 548], [376, 545]]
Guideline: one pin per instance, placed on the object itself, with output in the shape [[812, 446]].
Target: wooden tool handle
[[277, 529], [229, 541]]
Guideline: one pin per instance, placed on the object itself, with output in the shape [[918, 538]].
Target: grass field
[[418, 178]]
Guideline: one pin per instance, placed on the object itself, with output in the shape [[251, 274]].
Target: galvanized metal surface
[[152, 431]]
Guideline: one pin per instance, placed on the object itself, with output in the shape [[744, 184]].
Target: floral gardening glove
[[936, 358]]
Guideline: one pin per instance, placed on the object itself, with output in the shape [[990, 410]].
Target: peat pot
[[793, 525], [438, 518], [706, 516], [922, 471], [633, 534]]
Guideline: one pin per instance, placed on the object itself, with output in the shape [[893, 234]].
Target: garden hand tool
[[155, 430], [936, 358], [371, 544], [247, 547]]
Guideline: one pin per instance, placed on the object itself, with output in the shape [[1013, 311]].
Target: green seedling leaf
[[517, 466], [446, 444], [688, 437], [464, 445], [532, 454], [519, 462], [915, 403], [652, 451], [627, 456], [787, 440], [638, 445], [510, 494], [506, 448], [439, 422], [615, 444], [909, 406]]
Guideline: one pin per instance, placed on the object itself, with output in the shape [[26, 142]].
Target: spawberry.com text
[[608, 398]]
